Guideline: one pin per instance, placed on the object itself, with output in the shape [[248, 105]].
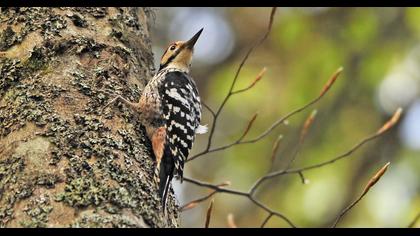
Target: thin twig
[[250, 193], [302, 169], [304, 131], [208, 215], [276, 145], [231, 221], [275, 124], [377, 134], [281, 120], [258, 78], [248, 127], [266, 220], [194, 203], [215, 187], [302, 178], [230, 93], [240, 193], [209, 109], [414, 221], [370, 184]]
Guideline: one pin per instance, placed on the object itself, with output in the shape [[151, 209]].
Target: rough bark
[[64, 162]]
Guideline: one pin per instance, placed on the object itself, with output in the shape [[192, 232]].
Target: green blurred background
[[379, 49]]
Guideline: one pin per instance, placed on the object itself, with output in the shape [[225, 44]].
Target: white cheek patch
[[201, 129]]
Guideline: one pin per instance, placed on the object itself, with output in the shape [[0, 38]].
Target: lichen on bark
[[64, 161]]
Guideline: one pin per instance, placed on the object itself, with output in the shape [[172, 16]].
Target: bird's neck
[[178, 66]]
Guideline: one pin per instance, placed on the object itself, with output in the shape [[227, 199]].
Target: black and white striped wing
[[182, 114]]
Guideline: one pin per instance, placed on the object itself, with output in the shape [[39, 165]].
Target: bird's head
[[179, 54]]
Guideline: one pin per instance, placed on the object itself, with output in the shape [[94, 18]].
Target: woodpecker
[[170, 110]]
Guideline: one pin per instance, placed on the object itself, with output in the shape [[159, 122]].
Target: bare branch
[[250, 193], [274, 150], [208, 215], [248, 127], [394, 120], [307, 125], [272, 174], [274, 125], [276, 213], [231, 221], [215, 187], [302, 178], [330, 82], [375, 178], [240, 193], [266, 220], [230, 93], [391, 122], [194, 203], [371, 182], [258, 78], [414, 221], [284, 118], [209, 109], [304, 131]]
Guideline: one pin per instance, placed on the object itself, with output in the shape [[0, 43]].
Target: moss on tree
[[64, 162]]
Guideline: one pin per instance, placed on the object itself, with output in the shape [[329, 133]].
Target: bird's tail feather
[[164, 195], [164, 182]]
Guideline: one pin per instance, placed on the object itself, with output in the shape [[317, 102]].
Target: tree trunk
[[64, 162]]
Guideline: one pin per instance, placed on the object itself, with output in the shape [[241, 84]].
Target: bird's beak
[[190, 43]]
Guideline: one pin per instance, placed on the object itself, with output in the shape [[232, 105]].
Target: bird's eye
[[172, 47]]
